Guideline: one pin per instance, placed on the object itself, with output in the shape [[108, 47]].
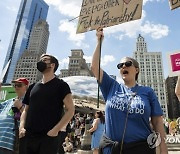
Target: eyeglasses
[[19, 85], [127, 64]]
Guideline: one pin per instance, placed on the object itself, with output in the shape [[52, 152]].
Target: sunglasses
[[127, 64], [19, 85]]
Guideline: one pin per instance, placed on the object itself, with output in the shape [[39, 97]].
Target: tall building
[[173, 102], [29, 13], [77, 65], [151, 71], [26, 65]]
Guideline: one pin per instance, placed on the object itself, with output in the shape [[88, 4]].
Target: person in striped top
[[10, 111]]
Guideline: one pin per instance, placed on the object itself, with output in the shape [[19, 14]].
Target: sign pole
[[99, 71]]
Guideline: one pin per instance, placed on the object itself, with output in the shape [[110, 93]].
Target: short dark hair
[[52, 60]]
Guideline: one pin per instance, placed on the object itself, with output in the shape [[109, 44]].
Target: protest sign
[[174, 63], [174, 4], [106, 13]]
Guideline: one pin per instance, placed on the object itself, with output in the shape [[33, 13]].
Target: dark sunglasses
[[127, 64], [17, 85]]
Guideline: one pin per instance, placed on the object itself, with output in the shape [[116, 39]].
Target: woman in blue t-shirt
[[130, 110]]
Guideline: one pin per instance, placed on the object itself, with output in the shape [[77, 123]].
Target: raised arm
[[177, 89], [96, 54]]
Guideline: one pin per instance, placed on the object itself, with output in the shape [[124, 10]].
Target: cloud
[[1, 46], [53, 2], [64, 63], [12, 8], [70, 28], [69, 8], [72, 8], [105, 60], [145, 1], [156, 31], [131, 29], [88, 59]]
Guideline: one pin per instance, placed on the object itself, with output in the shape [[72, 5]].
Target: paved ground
[[174, 152], [170, 152]]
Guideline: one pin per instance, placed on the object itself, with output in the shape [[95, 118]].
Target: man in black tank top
[[44, 102]]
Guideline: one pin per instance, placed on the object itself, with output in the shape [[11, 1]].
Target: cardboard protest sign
[[174, 63], [96, 13], [174, 4]]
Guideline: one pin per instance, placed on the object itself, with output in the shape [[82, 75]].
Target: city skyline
[[29, 12], [158, 25]]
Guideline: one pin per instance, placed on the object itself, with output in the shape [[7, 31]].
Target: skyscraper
[[151, 71], [26, 65], [30, 12]]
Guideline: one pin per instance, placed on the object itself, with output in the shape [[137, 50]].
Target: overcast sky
[[159, 26]]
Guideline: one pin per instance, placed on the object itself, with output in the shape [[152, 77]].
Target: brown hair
[[101, 116]]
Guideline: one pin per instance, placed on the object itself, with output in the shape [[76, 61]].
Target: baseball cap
[[21, 80]]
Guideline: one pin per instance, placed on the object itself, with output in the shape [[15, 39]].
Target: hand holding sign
[[100, 34]]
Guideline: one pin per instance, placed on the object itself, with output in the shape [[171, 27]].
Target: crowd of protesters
[[77, 128], [72, 132], [76, 131]]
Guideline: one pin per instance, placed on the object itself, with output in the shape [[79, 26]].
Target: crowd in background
[[172, 127], [76, 130]]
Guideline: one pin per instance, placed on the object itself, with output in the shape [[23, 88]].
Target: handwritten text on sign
[[95, 13], [174, 4]]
